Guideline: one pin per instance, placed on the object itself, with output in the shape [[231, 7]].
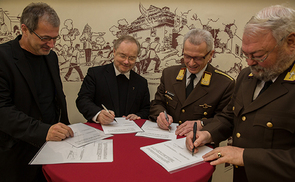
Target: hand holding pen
[[107, 111], [194, 137], [167, 119]]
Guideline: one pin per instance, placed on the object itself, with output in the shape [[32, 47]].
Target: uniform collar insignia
[[206, 78]]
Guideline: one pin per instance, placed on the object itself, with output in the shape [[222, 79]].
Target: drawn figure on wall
[[75, 63], [69, 33], [142, 56], [86, 39], [154, 47]]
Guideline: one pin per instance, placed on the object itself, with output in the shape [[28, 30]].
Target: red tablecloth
[[130, 164]]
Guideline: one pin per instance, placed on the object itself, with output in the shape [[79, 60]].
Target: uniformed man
[[261, 121], [194, 90]]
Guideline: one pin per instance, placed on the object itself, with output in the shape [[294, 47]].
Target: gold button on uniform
[[205, 113], [167, 103], [233, 108], [180, 122], [269, 124], [244, 118], [183, 110], [238, 135]]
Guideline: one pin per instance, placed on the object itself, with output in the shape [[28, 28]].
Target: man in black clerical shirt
[[122, 91]]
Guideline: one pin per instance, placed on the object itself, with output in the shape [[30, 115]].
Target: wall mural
[[158, 29]]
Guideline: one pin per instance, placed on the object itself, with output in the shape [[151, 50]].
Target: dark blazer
[[203, 102], [100, 87], [265, 127], [22, 131]]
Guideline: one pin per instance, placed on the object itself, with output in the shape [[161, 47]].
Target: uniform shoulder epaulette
[[224, 74]]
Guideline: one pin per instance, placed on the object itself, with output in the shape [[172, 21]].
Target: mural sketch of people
[[69, 33], [86, 39], [75, 63], [142, 57], [152, 55]]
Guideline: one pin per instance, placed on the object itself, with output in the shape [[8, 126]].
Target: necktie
[[190, 86], [266, 85], [123, 83]]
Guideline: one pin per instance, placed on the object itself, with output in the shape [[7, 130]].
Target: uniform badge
[[169, 93], [290, 75], [205, 106], [250, 75], [181, 74], [206, 78]]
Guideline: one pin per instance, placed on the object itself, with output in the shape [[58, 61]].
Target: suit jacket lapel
[[24, 68], [273, 92], [113, 86], [179, 89], [198, 92]]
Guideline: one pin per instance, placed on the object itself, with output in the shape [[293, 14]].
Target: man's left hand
[[227, 154], [132, 117], [186, 127]]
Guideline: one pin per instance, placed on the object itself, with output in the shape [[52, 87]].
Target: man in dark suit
[[210, 91], [116, 86], [261, 120], [32, 103]]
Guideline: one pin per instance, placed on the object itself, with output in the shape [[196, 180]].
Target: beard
[[283, 62]]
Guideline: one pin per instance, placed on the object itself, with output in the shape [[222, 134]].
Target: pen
[[194, 137], [107, 110], [166, 116]]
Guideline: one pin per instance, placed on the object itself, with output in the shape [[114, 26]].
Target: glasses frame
[[198, 58], [267, 53], [46, 38]]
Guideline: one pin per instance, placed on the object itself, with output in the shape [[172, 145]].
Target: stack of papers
[[173, 155], [152, 130], [121, 126], [86, 146]]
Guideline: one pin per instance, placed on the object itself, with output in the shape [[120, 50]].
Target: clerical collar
[[117, 72]]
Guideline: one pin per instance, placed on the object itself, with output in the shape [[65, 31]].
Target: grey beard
[[283, 62]]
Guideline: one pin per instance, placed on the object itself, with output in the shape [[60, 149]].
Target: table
[[130, 164]]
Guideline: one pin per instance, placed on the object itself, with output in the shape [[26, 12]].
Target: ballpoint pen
[[194, 137], [166, 116], [107, 110]]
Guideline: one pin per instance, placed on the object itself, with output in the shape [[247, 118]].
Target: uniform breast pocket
[[171, 103], [278, 128]]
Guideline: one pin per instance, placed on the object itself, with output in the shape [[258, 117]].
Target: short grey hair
[[278, 19], [39, 11], [197, 36], [127, 38]]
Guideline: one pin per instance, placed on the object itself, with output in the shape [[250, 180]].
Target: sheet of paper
[[173, 155], [121, 126], [63, 152], [84, 134], [152, 130]]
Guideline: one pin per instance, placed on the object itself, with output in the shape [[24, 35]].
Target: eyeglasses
[[130, 58], [188, 58], [267, 54], [46, 38]]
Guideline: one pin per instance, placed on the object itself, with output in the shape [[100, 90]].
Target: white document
[[63, 152], [84, 134], [152, 130], [121, 126], [173, 155]]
